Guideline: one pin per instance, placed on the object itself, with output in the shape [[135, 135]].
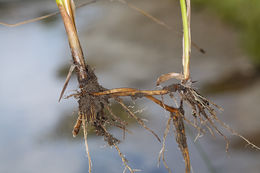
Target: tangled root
[[94, 110]]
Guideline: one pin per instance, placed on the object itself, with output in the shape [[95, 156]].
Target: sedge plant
[[94, 100]]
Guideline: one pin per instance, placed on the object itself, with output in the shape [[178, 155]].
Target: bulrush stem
[[75, 47], [186, 39]]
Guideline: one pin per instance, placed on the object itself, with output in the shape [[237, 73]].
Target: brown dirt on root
[[93, 107]]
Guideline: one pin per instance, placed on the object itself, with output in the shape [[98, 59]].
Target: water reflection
[[126, 49]]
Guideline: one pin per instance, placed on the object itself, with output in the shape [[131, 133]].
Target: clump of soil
[[92, 108]]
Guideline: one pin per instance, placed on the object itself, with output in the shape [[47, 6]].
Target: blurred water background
[[127, 50]]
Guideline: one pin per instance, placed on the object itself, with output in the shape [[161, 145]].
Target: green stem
[[186, 36], [59, 2]]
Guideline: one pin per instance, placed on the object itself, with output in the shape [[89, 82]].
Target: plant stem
[[67, 14], [186, 40]]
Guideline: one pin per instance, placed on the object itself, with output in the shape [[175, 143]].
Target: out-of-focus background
[[127, 50]]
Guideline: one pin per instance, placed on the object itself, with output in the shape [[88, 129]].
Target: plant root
[[139, 120], [86, 143], [93, 100], [162, 151], [124, 160]]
